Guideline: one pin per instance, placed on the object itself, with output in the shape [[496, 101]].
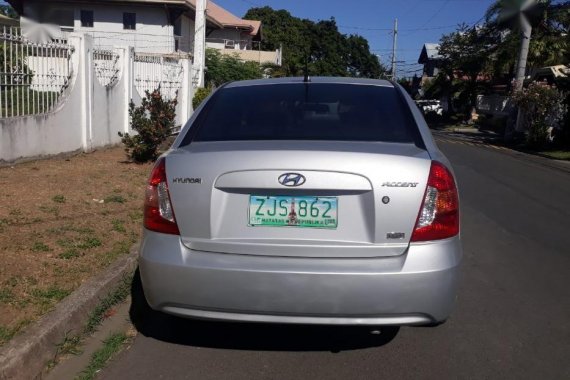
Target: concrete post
[[185, 92], [200, 43], [89, 77], [394, 45], [82, 44], [526, 31], [128, 73]]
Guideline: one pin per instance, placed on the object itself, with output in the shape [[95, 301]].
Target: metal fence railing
[[32, 76], [107, 67], [152, 71]]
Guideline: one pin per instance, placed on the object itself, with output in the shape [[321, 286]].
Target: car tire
[[140, 312]]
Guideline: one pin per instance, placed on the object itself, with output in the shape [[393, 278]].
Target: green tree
[[549, 42], [543, 110], [326, 49], [200, 95], [281, 29], [8, 11], [221, 68], [464, 63], [361, 63], [319, 45], [406, 84]]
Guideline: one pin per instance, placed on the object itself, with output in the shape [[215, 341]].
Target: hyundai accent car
[[298, 200]]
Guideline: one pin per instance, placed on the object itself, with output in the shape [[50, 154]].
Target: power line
[[437, 12], [361, 28], [412, 8], [390, 49], [401, 29]]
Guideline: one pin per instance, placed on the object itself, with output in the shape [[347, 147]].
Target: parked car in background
[[430, 106], [550, 74], [294, 201]]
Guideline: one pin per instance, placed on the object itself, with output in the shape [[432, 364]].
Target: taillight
[[439, 214], [158, 212]]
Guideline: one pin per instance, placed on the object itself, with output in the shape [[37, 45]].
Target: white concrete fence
[[71, 96]]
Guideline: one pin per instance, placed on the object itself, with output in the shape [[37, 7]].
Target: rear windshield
[[315, 111]]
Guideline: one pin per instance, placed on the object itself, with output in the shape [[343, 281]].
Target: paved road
[[512, 319]]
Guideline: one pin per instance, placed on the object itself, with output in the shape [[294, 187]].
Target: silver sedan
[[297, 200]]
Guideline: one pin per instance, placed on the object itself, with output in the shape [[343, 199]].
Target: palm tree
[[512, 14], [549, 21]]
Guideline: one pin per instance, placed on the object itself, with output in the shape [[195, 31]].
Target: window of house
[[63, 17], [129, 21], [178, 27], [86, 19], [177, 33]]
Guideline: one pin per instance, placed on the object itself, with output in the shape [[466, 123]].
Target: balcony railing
[[223, 43]]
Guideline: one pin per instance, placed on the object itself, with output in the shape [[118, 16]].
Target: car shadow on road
[[250, 336]]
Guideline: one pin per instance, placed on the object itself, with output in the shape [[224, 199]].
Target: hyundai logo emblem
[[292, 179]]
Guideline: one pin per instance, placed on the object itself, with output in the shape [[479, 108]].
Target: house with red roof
[[154, 26]]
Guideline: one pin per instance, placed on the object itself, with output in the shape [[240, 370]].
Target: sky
[[419, 21], [429, 19]]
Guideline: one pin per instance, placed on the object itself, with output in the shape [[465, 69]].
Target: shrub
[[153, 121], [543, 110], [224, 68], [201, 94]]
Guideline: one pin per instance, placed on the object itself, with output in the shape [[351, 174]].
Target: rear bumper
[[417, 287]]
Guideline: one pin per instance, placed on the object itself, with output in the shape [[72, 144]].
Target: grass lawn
[[63, 221], [557, 154]]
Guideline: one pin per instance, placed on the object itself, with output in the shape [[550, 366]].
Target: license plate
[[286, 211]]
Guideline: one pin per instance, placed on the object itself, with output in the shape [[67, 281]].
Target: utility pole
[[199, 44], [526, 30], [394, 44]]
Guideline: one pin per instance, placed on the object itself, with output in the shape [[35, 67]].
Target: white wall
[[62, 130], [255, 55], [153, 32], [216, 38], [108, 106], [89, 114]]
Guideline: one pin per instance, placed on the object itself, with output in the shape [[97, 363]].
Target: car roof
[[329, 80]]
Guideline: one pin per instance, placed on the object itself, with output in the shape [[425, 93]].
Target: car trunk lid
[[378, 189]]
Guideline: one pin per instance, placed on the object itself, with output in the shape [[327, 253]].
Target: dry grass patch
[[61, 222]]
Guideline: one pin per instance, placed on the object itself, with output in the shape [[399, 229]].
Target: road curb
[[25, 356], [542, 160], [535, 158]]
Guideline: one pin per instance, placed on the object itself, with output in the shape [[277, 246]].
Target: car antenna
[[306, 78]]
